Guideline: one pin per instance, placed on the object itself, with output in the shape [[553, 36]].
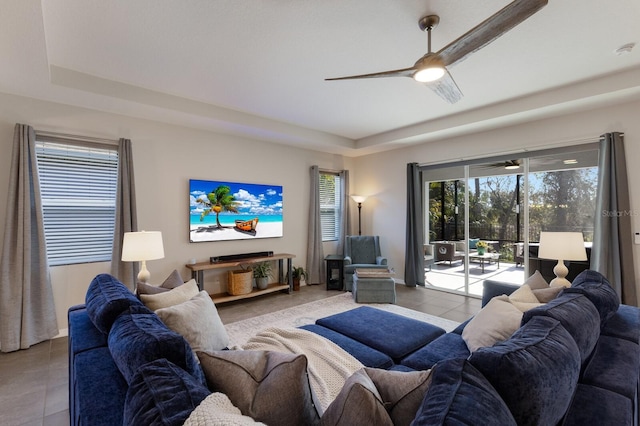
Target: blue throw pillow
[[577, 315], [162, 393], [138, 337], [597, 289], [107, 298], [473, 242], [460, 395], [535, 372]]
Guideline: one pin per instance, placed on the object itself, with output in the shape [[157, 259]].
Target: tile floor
[[444, 276], [34, 382]]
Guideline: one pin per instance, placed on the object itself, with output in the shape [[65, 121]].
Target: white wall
[[165, 158], [383, 176]]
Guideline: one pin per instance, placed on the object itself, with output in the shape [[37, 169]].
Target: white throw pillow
[[172, 297], [496, 322], [197, 320], [524, 299], [523, 294]]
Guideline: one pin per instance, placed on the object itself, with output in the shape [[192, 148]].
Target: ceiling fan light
[[512, 166], [429, 74]]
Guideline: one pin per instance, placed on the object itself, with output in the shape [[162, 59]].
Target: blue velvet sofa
[[574, 361], [123, 359]]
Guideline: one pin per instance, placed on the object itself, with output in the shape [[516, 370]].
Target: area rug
[[240, 331]]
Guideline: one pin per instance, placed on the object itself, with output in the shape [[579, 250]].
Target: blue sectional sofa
[[573, 361]]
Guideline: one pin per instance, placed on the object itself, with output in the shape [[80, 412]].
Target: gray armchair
[[361, 251]]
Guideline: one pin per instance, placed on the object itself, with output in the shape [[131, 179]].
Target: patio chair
[[518, 253], [428, 255], [446, 252]]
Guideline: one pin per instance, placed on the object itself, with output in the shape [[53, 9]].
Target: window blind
[[78, 186], [330, 206]]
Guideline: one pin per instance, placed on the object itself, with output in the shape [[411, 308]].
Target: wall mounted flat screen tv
[[223, 211]]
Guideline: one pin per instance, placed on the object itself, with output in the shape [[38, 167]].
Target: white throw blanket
[[329, 366], [217, 410]]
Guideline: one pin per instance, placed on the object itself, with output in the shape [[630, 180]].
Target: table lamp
[[140, 247], [561, 246]]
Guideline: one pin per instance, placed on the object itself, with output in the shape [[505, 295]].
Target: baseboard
[[62, 333]]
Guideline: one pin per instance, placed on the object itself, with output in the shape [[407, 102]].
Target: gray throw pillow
[[173, 280], [197, 320], [270, 387], [358, 403], [536, 281], [402, 392], [546, 295]]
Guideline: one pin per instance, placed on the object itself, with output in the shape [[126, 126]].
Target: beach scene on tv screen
[[222, 211]]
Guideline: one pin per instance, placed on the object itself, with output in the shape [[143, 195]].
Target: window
[[510, 201], [330, 205], [78, 185]]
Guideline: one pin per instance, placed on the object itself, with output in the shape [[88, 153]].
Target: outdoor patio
[[451, 278]]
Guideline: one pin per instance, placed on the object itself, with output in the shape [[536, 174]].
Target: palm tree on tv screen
[[218, 200]]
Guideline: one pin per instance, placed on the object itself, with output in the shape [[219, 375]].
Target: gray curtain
[[345, 222], [414, 256], [27, 311], [315, 252], [612, 251], [126, 216]]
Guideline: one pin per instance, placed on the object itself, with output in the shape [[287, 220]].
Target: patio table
[[487, 257]]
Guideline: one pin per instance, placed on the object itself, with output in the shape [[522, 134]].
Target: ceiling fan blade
[[405, 72], [446, 88], [493, 27]]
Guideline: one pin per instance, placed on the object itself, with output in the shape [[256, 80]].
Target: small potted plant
[[481, 246], [297, 273], [262, 272]]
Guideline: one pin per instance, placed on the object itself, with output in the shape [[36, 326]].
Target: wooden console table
[[197, 273]]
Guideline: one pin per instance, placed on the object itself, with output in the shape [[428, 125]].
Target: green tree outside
[[218, 200]]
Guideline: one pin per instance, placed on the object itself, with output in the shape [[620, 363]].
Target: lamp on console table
[[359, 199], [140, 247], [561, 246]]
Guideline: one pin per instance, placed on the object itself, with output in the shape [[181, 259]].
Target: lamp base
[[144, 274], [561, 272]]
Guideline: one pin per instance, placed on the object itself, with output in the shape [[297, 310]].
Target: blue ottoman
[[374, 290], [392, 334]]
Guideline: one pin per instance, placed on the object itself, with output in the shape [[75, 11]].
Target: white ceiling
[[257, 68]]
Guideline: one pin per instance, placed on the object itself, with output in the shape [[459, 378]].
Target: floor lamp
[[140, 247], [561, 246], [359, 199]]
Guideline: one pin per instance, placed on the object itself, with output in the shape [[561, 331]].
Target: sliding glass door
[[505, 203]]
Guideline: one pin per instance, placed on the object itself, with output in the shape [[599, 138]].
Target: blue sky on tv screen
[[255, 200]]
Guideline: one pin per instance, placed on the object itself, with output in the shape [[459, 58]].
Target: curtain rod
[[488, 155], [77, 137], [330, 171]]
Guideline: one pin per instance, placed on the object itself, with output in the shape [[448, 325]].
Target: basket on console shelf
[[240, 282]]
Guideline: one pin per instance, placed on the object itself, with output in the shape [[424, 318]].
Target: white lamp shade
[[138, 246], [358, 198], [562, 246]]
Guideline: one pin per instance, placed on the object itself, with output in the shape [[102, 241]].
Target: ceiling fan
[[507, 165], [431, 68]]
